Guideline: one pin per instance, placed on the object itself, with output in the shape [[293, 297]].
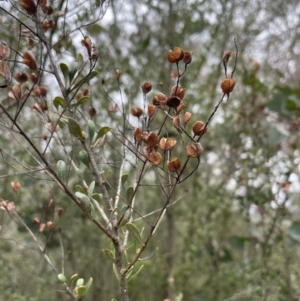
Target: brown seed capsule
[[43, 91], [173, 164], [137, 112], [21, 77], [152, 140], [42, 227], [226, 56], [146, 87], [50, 225], [173, 102], [60, 211], [29, 60], [29, 6], [33, 77], [16, 186], [176, 123], [160, 100], [198, 128], [87, 43], [36, 222], [151, 110], [176, 55], [138, 135], [186, 118], [92, 111], [154, 158], [178, 91], [227, 85], [167, 144], [187, 57], [16, 92], [85, 91], [194, 149], [180, 107]]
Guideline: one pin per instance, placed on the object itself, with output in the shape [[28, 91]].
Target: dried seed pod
[[176, 55], [21, 77], [138, 135], [154, 158], [198, 128], [178, 91], [48, 10], [152, 140], [60, 211], [43, 91], [173, 164], [227, 85], [36, 222], [118, 74], [160, 99], [151, 110], [194, 149], [29, 6], [137, 112], [16, 92], [87, 43], [225, 59], [167, 144], [180, 107], [92, 111], [176, 123], [37, 108], [186, 118], [50, 225], [16, 186], [173, 102], [29, 60], [146, 87], [4, 51], [146, 151], [33, 77], [85, 91], [187, 58], [42, 227]]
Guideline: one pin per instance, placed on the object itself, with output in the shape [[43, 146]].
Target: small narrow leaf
[[80, 282], [59, 101], [79, 188], [97, 197], [84, 158], [91, 127], [134, 275], [65, 71], [80, 173], [73, 70], [75, 128], [159, 221], [91, 189], [61, 169], [129, 194], [124, 178], [108, 254], [150, 255], [81, 101], [102, 132], [89, 285], [62, 278], [80, 195], [115, 271], [73, 278], [81, 290], [132, 229]]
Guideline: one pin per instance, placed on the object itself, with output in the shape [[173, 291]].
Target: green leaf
[[89, 285], [132, 229], [81, 101], [80, 58], [84, 158], [73, 70], [59, 101], [62, 278], [290, 105], [150, 255], [129, 194], [124, 178], [294, 231], [134, 275], [80, 195], [97, 197], [75, 128], [159, 221], [79, 188], [102, 132], [80, 290], [91, 127], [91, 189], [115, 271], [65, 71], [80, 282], [73, 278], [85, 79], [108, 254], [61, 169]]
